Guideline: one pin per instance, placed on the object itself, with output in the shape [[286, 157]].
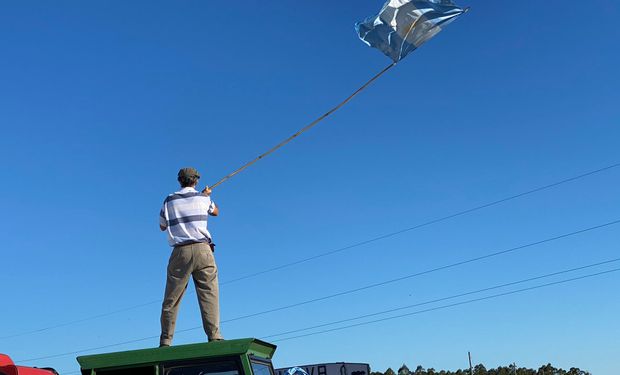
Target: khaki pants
[[196, 260]]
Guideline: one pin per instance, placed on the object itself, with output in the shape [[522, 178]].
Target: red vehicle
[[7, 367]]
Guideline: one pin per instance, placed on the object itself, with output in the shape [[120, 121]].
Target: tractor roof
[[248, 346]]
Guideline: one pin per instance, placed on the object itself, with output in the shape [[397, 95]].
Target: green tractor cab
[[227, 357]]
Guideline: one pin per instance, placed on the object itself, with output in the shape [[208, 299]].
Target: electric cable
[[432, 270], [350, 291], [424, 224], [453, 304], [382, 319], [445, 298], [72, 322], [435, 301], [331, 252], [430, 302]]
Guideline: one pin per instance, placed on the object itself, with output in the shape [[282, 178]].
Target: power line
[[432, 270], [445, 298], [416, 305], [425, 224], [86, 350], [332, 252], [386, 282], [453, 304], [404, 307], [72, 322]]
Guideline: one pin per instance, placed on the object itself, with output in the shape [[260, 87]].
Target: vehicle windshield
[[261, 368], [213, 368]]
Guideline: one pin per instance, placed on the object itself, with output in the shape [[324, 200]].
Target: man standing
[[184, 218]]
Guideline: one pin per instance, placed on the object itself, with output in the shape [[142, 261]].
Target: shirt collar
[[188, 189]]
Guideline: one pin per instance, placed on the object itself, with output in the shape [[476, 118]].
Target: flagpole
[[305, 128]]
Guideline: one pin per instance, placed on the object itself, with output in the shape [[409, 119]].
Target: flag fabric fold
[[404, 25]]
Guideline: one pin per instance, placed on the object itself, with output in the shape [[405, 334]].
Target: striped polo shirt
[[184, 214]]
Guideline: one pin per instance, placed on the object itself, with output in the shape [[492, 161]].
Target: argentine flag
[[404, 25]]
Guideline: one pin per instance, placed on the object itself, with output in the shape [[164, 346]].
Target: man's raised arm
[[213, 210]]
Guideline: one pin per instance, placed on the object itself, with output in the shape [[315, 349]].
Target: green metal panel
[[247, 367], [179, 352], [261, 349]]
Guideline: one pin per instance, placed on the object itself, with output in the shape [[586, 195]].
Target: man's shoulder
[[180, 195]]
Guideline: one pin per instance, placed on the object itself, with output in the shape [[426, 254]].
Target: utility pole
[[471, 369], [514, 368]]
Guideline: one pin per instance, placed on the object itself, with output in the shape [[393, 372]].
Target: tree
[[503, 371], [480, 370], [512, 369], [549, 370]]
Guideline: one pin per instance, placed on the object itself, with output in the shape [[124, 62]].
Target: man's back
[[184, 215]]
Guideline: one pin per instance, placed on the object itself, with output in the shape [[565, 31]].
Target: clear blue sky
[[102, 102]]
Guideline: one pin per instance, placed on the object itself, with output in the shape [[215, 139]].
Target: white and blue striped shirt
[[184, 214]]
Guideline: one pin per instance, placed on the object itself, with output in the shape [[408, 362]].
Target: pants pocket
[[180, 262]]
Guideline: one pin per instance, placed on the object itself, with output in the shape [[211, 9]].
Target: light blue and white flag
[[404, 25]]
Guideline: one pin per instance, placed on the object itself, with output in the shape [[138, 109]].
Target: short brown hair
[[188, 181]]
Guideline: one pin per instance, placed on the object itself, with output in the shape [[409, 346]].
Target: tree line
[[479, 369]]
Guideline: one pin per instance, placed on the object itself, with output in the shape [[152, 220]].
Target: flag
[[404, 25]]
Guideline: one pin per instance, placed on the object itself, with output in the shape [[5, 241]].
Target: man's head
[[188, 177]]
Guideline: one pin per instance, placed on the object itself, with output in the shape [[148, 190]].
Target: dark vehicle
[[228, 357], [334, 368]]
